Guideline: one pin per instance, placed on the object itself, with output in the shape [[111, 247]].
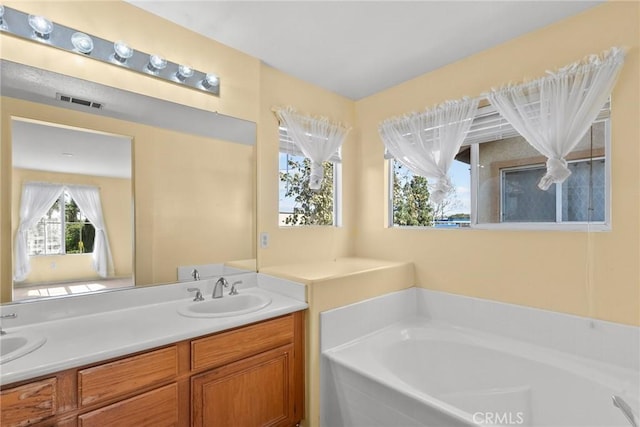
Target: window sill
[[545, 226]]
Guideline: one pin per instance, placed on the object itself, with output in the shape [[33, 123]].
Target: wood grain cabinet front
[[248, 376], [28, 404], [257, 391], [156, 408], [121, 377]]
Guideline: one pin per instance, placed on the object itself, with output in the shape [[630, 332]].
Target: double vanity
[[154, 356]]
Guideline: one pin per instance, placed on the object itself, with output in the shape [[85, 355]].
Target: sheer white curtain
[[88, 200], [37, 199], [427, 143], [554, 113], [317, 138]]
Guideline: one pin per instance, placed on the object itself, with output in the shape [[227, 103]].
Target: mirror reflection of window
[[57, 234]]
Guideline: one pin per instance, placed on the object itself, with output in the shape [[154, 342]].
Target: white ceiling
[[358, 48], [53, 148]]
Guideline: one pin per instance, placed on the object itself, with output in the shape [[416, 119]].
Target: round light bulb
[[122, 51], [82, 43], [184, 72], [41, 26], [156, 63], [210, 80]]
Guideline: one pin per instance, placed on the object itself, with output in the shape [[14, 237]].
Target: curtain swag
[[553, 113], [427, 142], [317, 138]]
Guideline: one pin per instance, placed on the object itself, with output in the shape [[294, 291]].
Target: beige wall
[[595, 274], [116, 198], [299, 244]]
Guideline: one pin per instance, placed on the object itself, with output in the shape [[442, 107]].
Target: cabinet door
[[27, 404], [257, 391]]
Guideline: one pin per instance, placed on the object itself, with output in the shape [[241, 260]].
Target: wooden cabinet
[[248, 376], [225, 347], [257, 391], [29, 403], [156, 408], [255, 377], [110, 380]]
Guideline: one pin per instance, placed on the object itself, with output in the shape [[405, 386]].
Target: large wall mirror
[[176, 187]]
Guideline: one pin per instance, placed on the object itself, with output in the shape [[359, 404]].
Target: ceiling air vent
[[79, 101]]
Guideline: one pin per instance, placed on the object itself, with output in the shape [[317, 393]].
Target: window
[[63, 230], [298, 205], [409, 199], [507, 175], [579, 199], [500, 190]]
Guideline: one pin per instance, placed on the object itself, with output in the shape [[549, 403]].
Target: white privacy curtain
[[88, 200], [316, 137], [427, 143], [37, 199], [554, 113]]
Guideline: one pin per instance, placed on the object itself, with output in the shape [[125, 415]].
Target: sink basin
[[16, 344], [229, 305]]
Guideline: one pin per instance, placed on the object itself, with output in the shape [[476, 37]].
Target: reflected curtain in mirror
[[37, 199]]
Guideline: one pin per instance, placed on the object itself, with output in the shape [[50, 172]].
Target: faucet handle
[[198, 296], [195, 274], [233, 290], [7, 316]]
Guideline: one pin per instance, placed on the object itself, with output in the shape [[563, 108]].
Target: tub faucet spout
[[619, 403]]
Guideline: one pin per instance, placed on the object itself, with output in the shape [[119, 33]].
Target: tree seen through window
[[300, 205]]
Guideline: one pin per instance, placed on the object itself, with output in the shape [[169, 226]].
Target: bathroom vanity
[[251, 373]]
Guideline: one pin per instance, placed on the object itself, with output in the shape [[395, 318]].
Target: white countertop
[[76, 340]]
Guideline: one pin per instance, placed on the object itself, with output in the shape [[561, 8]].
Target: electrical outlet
[[264, 240]]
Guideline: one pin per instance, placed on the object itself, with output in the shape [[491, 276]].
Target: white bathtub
[[425, 372]]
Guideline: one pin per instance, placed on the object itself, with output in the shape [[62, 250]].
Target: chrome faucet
[[233, 290], [198, 296], [7, 316], [619, 403], [217, 289], [195, 274]]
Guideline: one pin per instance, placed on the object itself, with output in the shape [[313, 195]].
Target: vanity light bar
[[41, 30]]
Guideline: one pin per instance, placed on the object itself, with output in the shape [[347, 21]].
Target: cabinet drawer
[[29, 403], [124, 376], [229, 346], [154, 409]]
